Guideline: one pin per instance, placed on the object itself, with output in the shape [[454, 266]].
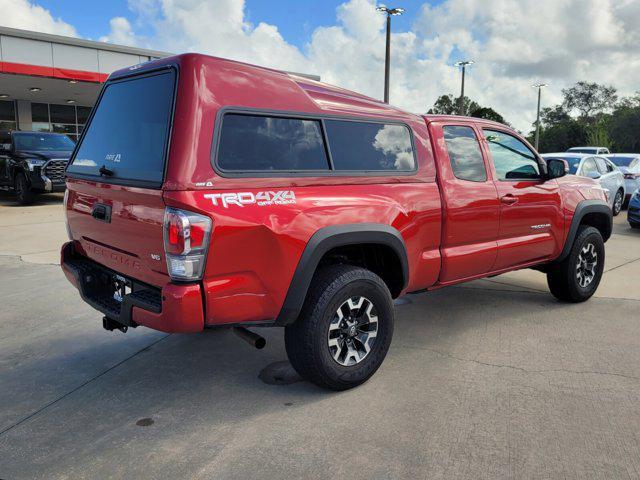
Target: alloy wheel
[[352, 331], [587, 263], [617, 202]]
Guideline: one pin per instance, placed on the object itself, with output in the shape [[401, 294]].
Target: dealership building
[[49, 82]]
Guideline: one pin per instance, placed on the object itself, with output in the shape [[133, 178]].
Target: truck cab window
[[464, 153], [512, 159]]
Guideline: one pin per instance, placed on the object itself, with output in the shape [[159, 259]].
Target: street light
[[387, 59], [539, 86], [462, 64]]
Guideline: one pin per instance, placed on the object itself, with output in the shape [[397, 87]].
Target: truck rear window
[[128, 132], [262, 143], [368, 146], [267, 144]]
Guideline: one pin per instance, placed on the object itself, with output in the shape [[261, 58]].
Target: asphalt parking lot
[[494, 379]]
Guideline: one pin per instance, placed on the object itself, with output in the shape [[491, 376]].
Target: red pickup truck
[[210, 193]]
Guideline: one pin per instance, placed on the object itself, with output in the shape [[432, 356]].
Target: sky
[[514, 43]]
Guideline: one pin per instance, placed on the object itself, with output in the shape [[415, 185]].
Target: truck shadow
[[8, 199]]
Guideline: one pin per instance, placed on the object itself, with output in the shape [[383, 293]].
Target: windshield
[[39, 142], [126, 139], [624, 161], [582, 150]]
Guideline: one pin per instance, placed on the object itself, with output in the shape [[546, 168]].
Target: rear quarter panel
[[255, 249]]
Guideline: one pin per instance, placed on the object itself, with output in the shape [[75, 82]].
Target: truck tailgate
[[119, 227]]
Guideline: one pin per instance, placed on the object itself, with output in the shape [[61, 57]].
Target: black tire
[[634, 225], [618, 202], [24, 194], [563, 279], [307, 340]]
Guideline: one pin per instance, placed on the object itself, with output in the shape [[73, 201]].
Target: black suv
[[33, 162]]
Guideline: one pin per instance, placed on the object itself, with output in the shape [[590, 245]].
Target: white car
[[599, 168], [629, 165], [591, 150]]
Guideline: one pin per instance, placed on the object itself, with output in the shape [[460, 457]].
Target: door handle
[[509, 199], [101, 212]]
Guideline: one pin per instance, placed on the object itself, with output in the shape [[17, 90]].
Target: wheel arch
[[594, 213], [19, 169], [340, 241]]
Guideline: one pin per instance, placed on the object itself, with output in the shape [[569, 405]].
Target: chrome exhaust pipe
[[250, 337]]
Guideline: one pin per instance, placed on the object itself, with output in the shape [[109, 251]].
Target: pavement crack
[[62, 397], [623, 265], [539, 292], [521, 369]]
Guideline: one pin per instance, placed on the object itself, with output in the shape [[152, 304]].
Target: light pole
[[462, 64], [387, 59], [539, 86]]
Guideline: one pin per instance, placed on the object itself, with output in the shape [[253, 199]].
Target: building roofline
[[61, 39], [49, 37]]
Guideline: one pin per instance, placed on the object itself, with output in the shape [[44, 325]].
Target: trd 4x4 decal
[[240, 199]]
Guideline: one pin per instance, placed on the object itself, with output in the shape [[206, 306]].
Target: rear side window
[[367, 146], [464, 153], [602, 165], [128, 132], [254, 143]]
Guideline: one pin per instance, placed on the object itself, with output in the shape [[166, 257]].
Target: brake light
[[186, 240]]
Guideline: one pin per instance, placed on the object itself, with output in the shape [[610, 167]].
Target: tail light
[[186, 241], [631, 176]]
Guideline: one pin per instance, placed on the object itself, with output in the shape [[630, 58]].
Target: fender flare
[[326, 239], [585, 207]]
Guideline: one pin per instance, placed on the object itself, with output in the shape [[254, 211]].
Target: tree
[[561, 136], [551, 116], [488, 113], [598, 135], [449, 105], [589, 98], [623, 128], [630, 102]]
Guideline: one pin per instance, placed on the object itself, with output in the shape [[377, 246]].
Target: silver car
[[629, 165], [599, 168], [591, 150]]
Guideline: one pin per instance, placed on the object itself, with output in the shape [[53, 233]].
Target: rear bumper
[[176, 308], [630, 186]]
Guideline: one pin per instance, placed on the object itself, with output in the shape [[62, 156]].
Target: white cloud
[[120, 32], [514, 44], [30, 16]]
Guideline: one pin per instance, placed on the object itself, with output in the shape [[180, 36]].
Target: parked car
[[633, 213], [629, 165], [33, 162], [209, 193], [591, 150], [600, 169]]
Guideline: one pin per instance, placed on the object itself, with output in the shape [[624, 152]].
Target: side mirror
[[556, 168], [594, 175]]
